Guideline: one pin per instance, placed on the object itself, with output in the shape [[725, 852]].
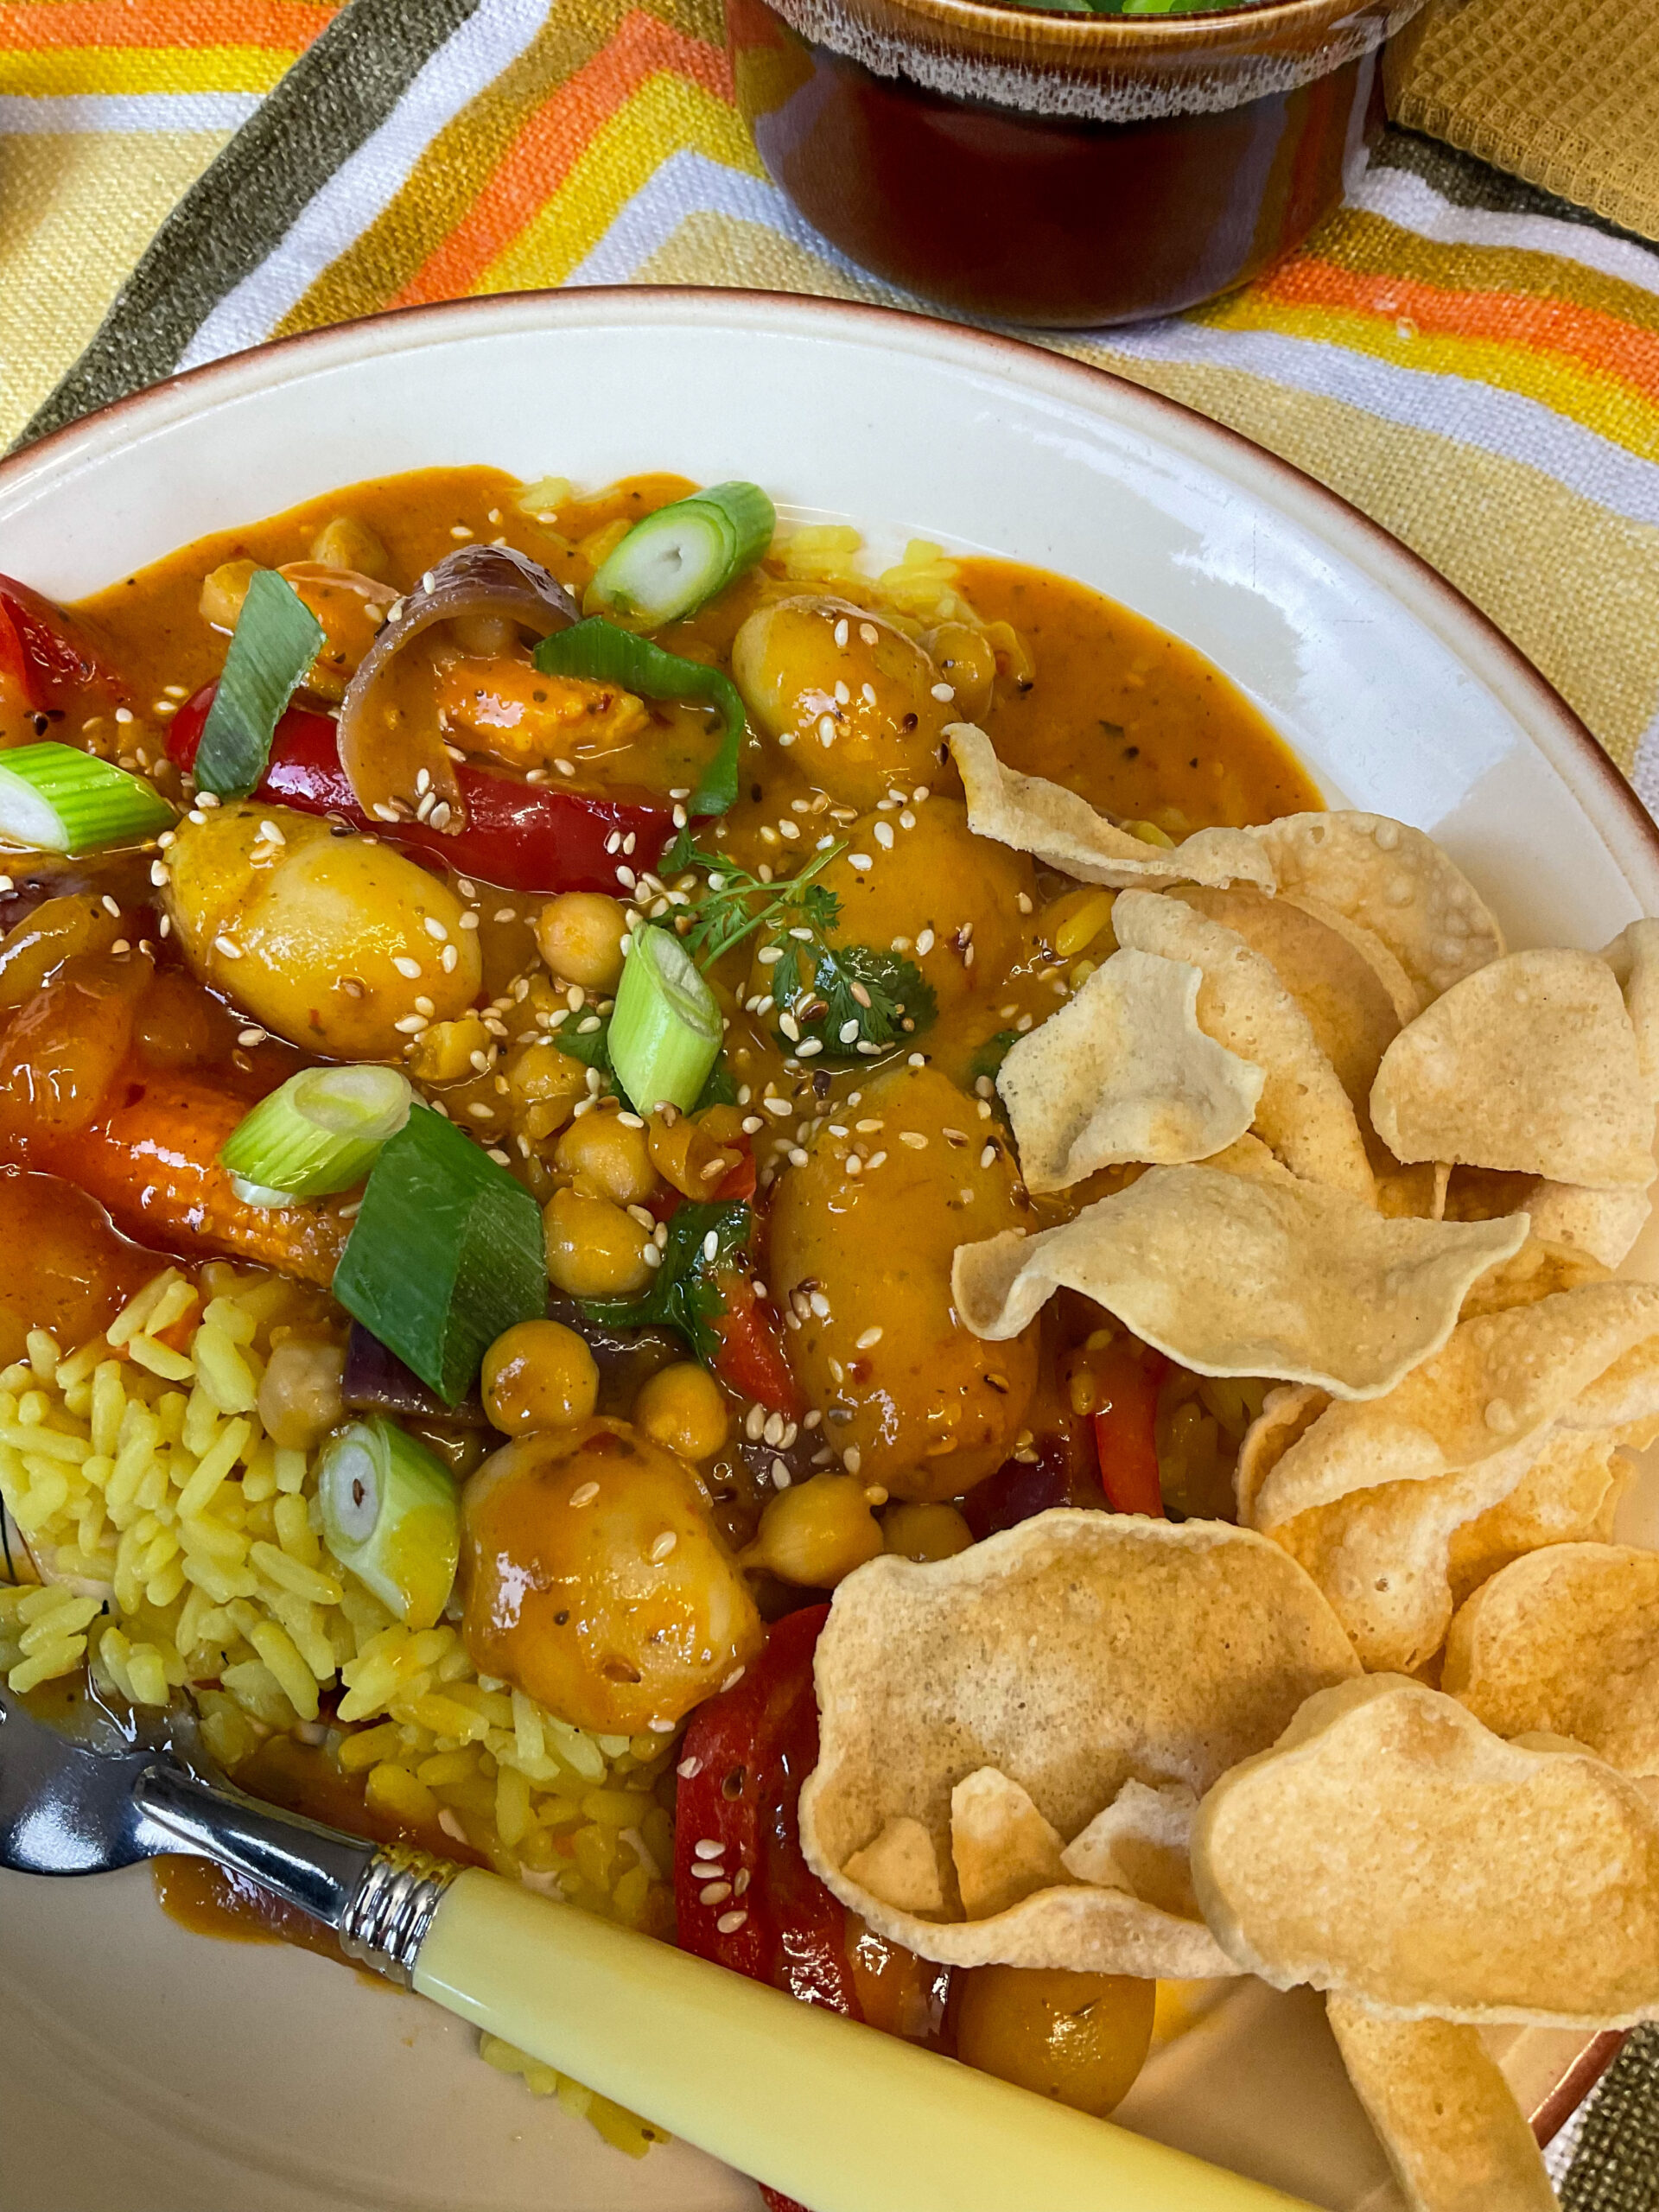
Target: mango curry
[[502, 1007]]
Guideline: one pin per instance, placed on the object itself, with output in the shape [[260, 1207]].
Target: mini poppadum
[[1454, 2135], [1122, 1072], [1073, 1654], [1303, 1112], [1529, 1065], [1566, 1640], [1056, 826], [1391, 1849], [1245, 1274], [1393, 881]]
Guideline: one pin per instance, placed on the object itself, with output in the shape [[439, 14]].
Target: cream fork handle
[[832, 2114]]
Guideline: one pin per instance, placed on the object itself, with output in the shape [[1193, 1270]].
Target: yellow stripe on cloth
[[54, 71], [622, 160], [96, 201]]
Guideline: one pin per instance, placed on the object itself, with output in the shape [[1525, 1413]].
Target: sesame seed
[[425, 1006], [221, 943], [858, 861], [884, 836], [584, 1494], [852, 1458], [925, 943], [707, 1846], [664, 1545], [840, 631], [689, 1769], [826, 730], [405, 966], [733, 1678], [780, 1475], [797, 1157], [435, 928], [870, 1338], [779, 1106], [870, 634], [251, 1036], [713, 1893], [565, 767], [411, 1025], [124, 714], [988, 1158], [729, 1922]]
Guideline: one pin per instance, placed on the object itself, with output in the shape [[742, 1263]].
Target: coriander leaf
[[720, 1089], [591, 1047], [684, 1292], [859, 994]]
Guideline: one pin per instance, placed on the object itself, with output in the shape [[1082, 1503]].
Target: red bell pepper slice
[[43, 653], [522, 836], [751, 1356], [1128, 1380]]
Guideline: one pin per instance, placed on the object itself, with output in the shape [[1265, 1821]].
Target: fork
[[866, 2123]]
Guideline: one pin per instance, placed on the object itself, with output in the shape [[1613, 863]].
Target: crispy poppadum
[[1244, 1274], [1139, 1842], [899, 1866], [1454, 2135], [1569, 1495], [1393, 881], [1633, 956], [1063, 829], [1603, 1224], [1122, 1072], [1528, 1066], [1001, 1845], [1566, 1640], [1303, 1112], [1073, 1654], [1391, 1849], [1347, 1004], [1403, 994]]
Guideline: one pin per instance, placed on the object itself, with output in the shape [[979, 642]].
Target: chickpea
[[594, 1250], [344, 543], [448, 1051], [1080, 2039], [684, 1155], [300, 1393], [597, 1582], [544, 1085], [539, 1375], [608, 1156], [966, 661], [816, 1533], [681, 1406], [580, 935], [924, 1532]]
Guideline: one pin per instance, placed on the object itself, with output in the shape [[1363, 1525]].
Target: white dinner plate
[[151, 2070]]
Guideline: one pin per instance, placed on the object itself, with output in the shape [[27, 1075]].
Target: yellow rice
[[178, 1549]]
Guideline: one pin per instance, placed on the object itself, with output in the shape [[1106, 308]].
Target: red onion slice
[[397, 771]]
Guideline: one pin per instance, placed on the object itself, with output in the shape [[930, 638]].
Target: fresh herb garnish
[[857, 993], [685, 1295]]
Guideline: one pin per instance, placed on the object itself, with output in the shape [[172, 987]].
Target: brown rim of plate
[[1575, 2085], [1092, 42], [1460, 611]]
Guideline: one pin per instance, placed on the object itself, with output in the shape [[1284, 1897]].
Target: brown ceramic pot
[[1061, 169]]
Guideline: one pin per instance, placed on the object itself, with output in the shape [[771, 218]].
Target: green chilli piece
[[391, 1516], [666, 1028], [321, 1132], [55, 798], [276, 640], [445, 1254], [679, 558], [601, 653]]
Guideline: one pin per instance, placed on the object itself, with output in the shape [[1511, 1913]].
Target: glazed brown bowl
[[1062, 169]]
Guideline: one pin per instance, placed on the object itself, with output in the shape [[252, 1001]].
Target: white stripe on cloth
[[686, 184], [21, 116], [364, 183], [1406, 200], [1507, 424]]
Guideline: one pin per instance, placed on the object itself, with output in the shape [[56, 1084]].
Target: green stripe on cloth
[[1470, 183], [333, 98]]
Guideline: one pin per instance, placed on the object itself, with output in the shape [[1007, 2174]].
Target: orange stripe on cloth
[[554, 140], [288, 25], [1601, 342]]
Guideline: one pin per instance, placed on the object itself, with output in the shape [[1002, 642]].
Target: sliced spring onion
[[321, 1132], [675, 560], [391, 1517], [601, 653], [666, 1031], [56, 799], [276, 640], [445, 1254]]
